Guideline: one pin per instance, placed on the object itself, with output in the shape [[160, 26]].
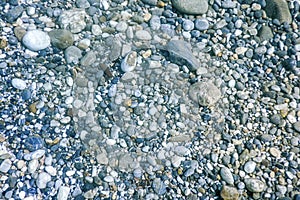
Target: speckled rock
[[254, 185], [204, 93], [61, 38], [229, 193]]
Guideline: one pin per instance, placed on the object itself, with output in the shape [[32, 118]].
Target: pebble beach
[[150, 99]]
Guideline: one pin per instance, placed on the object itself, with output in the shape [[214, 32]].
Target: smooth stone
[[188, 25], [26, 94], [254, 185], [33, 165], [278, 9], [150, 2], [228, 4], [82, 4], [201, 24], [121, 26], [159, 186], [42, 180], [143, 35], [155, 22], [34, 143], [204, 93], [129, 62], [249, 167], [275, 152], [13, 13], [5, 165], [63, 193], [229, 193], [296, 126], [193, 7], [265, 33], [72, 54], [61, 38], [36, 40], [108, 179], [88, 59], [227, 175], [180, 53], [73, 20], [18, 83]]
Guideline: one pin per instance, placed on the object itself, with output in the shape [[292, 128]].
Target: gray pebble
[[249, 167], [227, 175], [188, 25], [201, 24], [42, 180]]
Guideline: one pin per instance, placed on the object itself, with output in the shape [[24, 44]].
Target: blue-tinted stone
[[26, 94], [34, 143]]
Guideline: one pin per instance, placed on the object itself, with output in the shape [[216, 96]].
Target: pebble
[[181, 54], [254, 185], [249, 167], [188, 25], [192, 7], [42, 180], [5, 165], [63, 193], [36, 40], [278, 9], [61, 38], [73, 54], [33, 166], [129, 62], [18, 83], [229, 193], [73, 20], [227, 175], [108, 179], [143, 35], [275, 152], [201, 24], [204, 93]]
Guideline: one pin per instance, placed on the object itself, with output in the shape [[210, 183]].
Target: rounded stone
[[34, 143], [61, 38], [201, 24], [18, 83], [188, 25], [193, 7], [227, 175], [36, 40], [129, 62], [42, 180], [249, 167], [254, 185]]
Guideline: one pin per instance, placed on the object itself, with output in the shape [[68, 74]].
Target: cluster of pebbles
[[150, 99]]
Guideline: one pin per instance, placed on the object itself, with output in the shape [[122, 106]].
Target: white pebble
[[18, 83]]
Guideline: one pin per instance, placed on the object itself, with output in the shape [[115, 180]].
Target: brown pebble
[[229, 193], [3, 43], [160, 4], [32, 108]]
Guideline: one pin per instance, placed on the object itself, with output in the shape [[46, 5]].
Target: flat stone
[[159, 186], [181, 54], [18, 83], [204, 93], [73, 20], [227, 175], [36, 40], [150, 2], [254, 185], [193, 7], [143, 35], [61, 38], [13, 13], [88, 59], [229, 193], [278, 9]]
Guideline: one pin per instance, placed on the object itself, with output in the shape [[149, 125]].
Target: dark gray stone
[[278, 9], [61, 38], [265, 33], [181, 54], [13, 14]]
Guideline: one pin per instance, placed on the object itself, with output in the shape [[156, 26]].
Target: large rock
[[36, 40], [181, 54], [61, 38], [278, 9], [73, 20], [193, 7], [204, 93]]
